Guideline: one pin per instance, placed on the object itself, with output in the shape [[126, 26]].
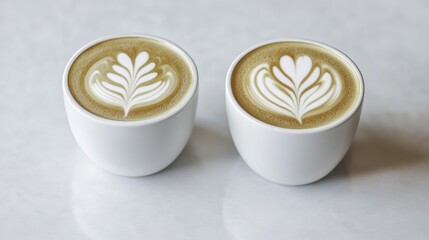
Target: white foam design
[[295, 88], [129, 83]]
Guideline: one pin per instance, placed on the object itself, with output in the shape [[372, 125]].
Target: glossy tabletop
[[50, 190]]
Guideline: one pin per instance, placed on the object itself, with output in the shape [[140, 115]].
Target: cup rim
[[336, 123], [175, 110]]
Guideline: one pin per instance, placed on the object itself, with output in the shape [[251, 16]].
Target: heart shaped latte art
[[295, 88], [129, 83]]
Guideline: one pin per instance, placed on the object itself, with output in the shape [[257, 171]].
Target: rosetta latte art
[[130, 83], [296, 89]]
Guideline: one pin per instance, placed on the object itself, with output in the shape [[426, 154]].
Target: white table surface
[[50, 190]]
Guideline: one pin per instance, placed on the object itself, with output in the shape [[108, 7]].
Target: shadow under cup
[[133, 148], [292, 156]]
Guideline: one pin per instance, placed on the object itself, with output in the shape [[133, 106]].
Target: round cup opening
[[158, 118], [230, 96]]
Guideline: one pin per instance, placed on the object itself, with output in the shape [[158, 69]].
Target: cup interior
[[231, 99], [68, 97]]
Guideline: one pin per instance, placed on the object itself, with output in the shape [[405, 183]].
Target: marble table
[[50, 190]]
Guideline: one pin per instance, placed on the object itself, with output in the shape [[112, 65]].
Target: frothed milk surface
[[295, 85], [131, 78]]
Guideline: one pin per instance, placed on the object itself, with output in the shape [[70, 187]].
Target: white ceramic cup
[[292, 156], [132, 148]]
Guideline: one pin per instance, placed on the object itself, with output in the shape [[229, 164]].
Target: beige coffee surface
[[295, 85], [130, 78]]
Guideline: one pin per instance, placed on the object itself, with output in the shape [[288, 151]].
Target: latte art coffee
[[131, 78], [295, 85]]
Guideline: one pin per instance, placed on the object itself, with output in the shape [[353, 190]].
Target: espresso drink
[[295, 85], [131, 78]]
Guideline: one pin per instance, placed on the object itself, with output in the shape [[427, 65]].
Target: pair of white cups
[[140, 148]]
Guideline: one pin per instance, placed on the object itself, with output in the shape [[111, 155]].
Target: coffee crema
[[131, 78], [295, 84]]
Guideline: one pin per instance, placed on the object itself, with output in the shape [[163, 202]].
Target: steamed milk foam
[[294, 85], [131, 78]]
